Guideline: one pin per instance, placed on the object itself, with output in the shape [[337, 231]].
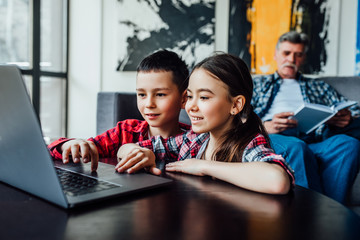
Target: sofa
[[116, 106]]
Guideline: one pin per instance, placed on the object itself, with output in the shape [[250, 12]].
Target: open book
[[310, 116]]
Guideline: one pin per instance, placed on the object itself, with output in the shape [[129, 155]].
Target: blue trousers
[[329, 166]]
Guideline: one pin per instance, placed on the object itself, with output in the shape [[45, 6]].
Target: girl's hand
[[190, 166], [135, 159]]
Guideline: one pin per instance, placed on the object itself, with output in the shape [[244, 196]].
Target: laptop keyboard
[[75, 184]]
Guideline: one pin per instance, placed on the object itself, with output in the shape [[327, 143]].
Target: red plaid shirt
[[190, 145], [108, 143]]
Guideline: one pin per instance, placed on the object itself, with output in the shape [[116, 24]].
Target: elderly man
[[325, 160]]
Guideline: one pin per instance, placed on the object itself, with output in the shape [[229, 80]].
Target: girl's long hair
[[245, 125]]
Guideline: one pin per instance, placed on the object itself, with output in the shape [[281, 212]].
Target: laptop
[[25, 162]]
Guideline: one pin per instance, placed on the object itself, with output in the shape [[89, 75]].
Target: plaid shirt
[[108, 143], [188, 145], [313, 91]]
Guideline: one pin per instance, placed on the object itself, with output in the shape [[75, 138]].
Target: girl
[[225, 131]]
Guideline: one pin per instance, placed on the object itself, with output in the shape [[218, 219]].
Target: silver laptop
[[25, 162]]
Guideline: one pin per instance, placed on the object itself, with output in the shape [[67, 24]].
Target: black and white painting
[[145, 26]]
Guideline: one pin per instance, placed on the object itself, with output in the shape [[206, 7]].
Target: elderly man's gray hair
[[294, 37]]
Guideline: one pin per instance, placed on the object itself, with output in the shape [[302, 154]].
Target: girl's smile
[[208, 104]]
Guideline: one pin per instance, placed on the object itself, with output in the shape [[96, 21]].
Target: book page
[[310, 116], [342, 105]]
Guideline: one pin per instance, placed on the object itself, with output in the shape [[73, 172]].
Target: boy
[[161, 82]]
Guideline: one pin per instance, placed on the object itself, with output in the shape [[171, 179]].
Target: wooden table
[[190, 208]]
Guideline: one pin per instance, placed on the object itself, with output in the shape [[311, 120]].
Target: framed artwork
[[255, 26], [145, 26]]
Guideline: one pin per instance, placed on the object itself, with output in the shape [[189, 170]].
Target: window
[[34, 36]]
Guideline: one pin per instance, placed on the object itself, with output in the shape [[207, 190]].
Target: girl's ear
[[183, 99], [239, 103]]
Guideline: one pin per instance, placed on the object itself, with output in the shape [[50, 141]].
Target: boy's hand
[[79, 148], [133, 158]]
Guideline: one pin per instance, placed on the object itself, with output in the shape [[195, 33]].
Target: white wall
[[91, 57], [84, 65], [341, 49], [347, 37]]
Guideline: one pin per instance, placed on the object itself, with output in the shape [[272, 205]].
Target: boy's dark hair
[[164, 60]]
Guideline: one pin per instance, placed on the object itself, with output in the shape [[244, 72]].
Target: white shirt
[[288, 99]]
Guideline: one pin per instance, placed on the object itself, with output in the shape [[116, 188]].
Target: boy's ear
[[238, 104], [183, 99]]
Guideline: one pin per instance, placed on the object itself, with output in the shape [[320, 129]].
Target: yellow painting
[[269, 19], [256, 25]]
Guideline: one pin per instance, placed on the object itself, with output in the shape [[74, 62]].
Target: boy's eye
[[161, 94], [141, 95]]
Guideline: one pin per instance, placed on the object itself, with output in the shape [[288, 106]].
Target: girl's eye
[[204, 98], [189, 97], [161, 94], [141, 95]]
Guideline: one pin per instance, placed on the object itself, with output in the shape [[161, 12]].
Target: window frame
[[36, 73]]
